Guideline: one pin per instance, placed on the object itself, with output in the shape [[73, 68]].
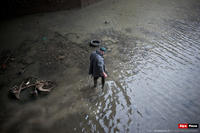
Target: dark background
[[10, 8]]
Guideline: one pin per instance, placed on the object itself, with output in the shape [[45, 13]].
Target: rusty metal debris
[[37, 85], [5, 57]]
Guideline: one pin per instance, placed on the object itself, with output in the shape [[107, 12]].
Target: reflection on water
[[157, 85], [153, 63]]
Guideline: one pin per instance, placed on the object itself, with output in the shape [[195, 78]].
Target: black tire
[[95, 43]]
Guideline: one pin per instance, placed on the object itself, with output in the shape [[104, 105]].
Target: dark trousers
[[102, 81]]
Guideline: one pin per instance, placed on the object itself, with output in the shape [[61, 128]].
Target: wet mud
[[153, 64]]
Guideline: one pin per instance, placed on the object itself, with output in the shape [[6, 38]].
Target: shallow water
[[157, 82], [158, 86], [153, 63]]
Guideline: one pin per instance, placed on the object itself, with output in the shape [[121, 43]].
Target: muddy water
[[155, 84], [153, 64]]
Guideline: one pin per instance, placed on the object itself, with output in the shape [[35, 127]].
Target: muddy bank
[[58, 58], [153, 61]]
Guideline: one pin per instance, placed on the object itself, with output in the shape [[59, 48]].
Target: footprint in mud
[[128, 30]]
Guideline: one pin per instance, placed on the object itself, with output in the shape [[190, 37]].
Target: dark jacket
[[97, 66]]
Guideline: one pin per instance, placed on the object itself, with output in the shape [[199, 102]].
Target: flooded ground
[[153, 64]]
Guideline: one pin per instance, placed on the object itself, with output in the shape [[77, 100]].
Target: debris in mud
[[61, 57], [44, 38], [21, 71], [106, 22], [5, 58], [34, 84], [95, 43]]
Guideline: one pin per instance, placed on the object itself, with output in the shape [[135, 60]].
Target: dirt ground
[[153, 61]]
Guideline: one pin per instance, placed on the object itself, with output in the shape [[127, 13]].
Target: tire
[[95, 43]]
